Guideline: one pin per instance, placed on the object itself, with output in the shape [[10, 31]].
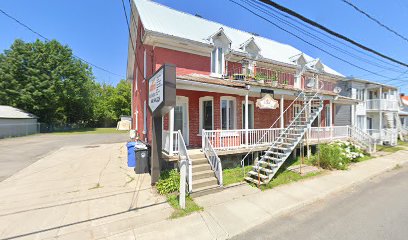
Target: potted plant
[[260, 77], [238, 76], [275, 80]]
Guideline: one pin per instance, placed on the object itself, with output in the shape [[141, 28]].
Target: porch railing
[[389, 135], [362, 138], [183, 155], [234, 139], [382, 104], [171, 150], [268, 76], [325, 133], [213, 158]]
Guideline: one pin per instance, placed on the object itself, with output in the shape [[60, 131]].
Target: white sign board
[[156, 90], [267, 102]]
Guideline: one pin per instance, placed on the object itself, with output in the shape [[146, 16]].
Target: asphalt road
[[18, 153], [375, 210]]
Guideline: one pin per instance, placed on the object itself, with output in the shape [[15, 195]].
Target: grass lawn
[[286, 177], [390, 149], [191, 206], [402, 143], [90, 131], [234, 175]]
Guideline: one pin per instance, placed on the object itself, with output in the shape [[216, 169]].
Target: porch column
[[380, 112], [282, 121], [246, 118], [331, 118], [171, 130]]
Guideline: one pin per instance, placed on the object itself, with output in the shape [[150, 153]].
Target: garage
[[15, 122]]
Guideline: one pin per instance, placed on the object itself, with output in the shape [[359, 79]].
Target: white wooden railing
[[183, 156], [389, 135], [362, 138], [213, 158], [382, 104], [234, 139], [166, 142]]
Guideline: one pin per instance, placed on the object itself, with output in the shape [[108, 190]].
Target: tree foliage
[[44, 78]]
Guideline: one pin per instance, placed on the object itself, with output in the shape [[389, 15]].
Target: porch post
[[282, 121], [331, 118], [171, 130], [246, 118], [380, 120]]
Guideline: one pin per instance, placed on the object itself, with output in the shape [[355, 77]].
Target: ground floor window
[[206, 109], [250, 115], [328, 117], [369, 123], [227, 113], [360, 122]]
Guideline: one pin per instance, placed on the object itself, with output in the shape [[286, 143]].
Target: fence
[[19, 129]]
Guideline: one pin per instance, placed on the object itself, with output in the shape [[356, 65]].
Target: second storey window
[[217, 61]]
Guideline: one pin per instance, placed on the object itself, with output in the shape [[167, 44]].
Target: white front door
[[181, 117]]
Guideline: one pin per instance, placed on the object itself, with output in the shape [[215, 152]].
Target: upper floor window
[[217, 61], [360, 94]]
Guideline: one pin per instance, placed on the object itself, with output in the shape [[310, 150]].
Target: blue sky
[[97, 31]]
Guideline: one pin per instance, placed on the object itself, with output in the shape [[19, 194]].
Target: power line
[[336, 34], [375, 20], [48, 40], [309, 43], [260, 6]]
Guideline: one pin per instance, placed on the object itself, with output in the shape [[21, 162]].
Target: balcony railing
[[268, 76], [387, 135], [382, 104]]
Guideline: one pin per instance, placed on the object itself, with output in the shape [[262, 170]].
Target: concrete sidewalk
[[240, 208], [59, 197], [80, 192]]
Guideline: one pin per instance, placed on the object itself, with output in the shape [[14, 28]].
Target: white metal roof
[[162, 19], [11, 112]]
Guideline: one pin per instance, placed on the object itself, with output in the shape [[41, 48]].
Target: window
[[227, 113], [144, 118], [250, 115], [360, 94], [206, 110], [217, 61], [328, 116], [144, 65]]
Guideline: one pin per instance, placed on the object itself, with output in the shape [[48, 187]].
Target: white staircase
[[389, 119], [268, 165]]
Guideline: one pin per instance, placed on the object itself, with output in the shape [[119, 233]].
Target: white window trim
[[137, 79], [216, 74], [235, 111], [200, 107], [183, 99], [253, 114], [144, 65]]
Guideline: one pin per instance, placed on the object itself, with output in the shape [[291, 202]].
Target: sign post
[[162, 98]]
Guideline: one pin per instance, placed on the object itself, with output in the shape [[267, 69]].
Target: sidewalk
[[240, 208], [58, 198]]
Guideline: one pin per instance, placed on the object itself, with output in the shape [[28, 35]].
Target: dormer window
[[217, 61]]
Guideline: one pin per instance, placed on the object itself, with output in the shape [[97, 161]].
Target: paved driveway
[[18, 153]]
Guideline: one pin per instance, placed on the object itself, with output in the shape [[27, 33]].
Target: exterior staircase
[[204, 180], [268, 165]]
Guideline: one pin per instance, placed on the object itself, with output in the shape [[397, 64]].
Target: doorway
[[181, 117]]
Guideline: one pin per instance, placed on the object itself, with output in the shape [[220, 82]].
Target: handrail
[[365, 138], [213, 158], [273, 124], [183, 154]]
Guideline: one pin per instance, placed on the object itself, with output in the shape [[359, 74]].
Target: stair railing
[[183, 156], [213, 158], [362, 138], [272, 126]]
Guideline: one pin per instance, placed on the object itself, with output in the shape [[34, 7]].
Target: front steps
[[204, 180]]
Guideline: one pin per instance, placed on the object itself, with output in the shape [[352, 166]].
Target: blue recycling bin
[[131, 154]]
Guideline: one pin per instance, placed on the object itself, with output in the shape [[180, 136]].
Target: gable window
[[227, 113], [206, 110], [217, 61], [250, 115]]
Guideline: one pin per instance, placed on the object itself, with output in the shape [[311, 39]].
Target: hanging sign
[[162, 90], [267, 102]]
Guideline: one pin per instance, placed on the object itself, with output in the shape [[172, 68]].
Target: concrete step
[[205, 182], [201, 167], [254, 181], [198, 192], [198, 161], [255, 175], [203, 174]]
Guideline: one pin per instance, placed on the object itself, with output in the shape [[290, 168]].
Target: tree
[[45, 79]]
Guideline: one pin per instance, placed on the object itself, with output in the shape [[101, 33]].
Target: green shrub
[[331, 157], [169, 182]]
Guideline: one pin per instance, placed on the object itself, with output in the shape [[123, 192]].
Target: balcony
[[267, 76], [382, 105]]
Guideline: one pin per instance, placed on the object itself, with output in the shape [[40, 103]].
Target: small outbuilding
[[15, 122]]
